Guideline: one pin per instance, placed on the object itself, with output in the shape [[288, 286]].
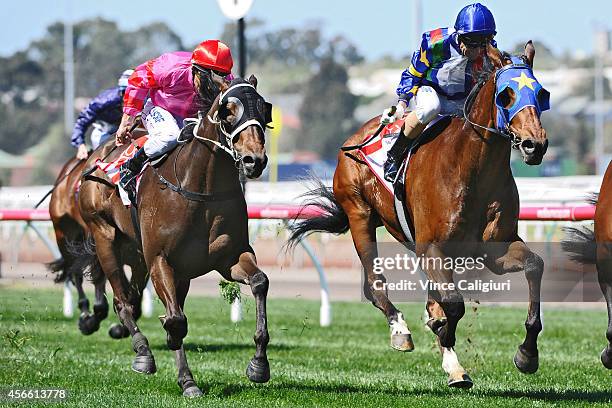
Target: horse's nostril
[[248, 160], [528, 146]]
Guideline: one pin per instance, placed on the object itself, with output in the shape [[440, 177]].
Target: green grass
[[348, 364]]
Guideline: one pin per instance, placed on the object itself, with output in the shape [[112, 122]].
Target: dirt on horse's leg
[[520, 258], [445, 309], [109, 261], [185, 378], [247, 271], [363, 231], [604, 273], [175, 321]]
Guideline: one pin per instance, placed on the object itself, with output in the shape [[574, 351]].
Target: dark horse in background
[[70, 231], [459, 188], [588, 246], [192, 219]]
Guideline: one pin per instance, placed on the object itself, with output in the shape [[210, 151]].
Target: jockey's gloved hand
[[123, 133], [385, 119], [82, 152]]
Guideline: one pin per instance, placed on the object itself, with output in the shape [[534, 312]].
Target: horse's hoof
[[192, 392], [606, 357], [258, 370], [402, 342], [118, 331], [144, 364], [88, 324], [525, 363], [460, 381], [101, 311]]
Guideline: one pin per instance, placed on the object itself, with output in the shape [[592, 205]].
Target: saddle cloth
[[375, 152], [111, 169]]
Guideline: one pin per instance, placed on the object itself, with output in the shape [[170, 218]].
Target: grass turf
[[348, 364]]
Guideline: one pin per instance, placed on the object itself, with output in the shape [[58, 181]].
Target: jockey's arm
[[124, 134], [412, 77], [139, 84], [410, 81]]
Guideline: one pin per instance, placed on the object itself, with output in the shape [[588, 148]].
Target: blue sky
[[377, 27]]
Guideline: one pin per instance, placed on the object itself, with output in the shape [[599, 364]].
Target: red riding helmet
[[213, 54]]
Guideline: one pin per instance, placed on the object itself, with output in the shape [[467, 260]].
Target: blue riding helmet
[[518, 76], [475, 19]]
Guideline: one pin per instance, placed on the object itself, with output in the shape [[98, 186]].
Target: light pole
[[68, 72], [601, 48]]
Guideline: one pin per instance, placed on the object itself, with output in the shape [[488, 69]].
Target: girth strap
[[201, 197]]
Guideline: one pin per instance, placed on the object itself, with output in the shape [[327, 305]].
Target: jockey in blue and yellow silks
[[440, 76]]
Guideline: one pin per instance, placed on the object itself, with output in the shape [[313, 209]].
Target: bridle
[[225, 142], [505, 132]]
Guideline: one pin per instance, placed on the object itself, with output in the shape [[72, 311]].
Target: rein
[[227, 148]]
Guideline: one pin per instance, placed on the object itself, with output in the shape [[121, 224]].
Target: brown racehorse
[[192, 218], [459, 188], [595, 247], [70, 233]]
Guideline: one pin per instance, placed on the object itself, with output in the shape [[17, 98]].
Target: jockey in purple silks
[[104, 113]]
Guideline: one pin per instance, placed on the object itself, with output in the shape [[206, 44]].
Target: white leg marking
[[450, 362], [399, 326]]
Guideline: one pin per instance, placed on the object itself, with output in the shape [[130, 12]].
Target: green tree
[[326, 113], [32, 80]]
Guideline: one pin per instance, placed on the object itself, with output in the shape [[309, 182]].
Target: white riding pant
[[163, 129], [101, 132], [427, 104]]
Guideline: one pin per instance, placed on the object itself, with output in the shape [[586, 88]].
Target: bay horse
[[192, 219], [70, 232], [588, 246], [459, 188], [70, 228]]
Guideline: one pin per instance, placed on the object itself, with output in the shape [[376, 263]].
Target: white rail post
[[325, 309], [147, 300], [67, 304], [236, 311]]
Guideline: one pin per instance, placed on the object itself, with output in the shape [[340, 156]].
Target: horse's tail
[[60, 268], [333, 220], [580, 244], [86, 261], [593, 198]]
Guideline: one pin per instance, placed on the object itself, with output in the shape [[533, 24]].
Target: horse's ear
[[253, 80], [529, 53]]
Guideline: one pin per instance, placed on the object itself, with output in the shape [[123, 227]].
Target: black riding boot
[[395, 156], [128, 172]]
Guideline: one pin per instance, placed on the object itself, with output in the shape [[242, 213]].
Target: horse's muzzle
[[254, 165], [533, 151]]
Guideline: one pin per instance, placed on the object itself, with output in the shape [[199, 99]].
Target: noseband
[[504, 131], [226, 142]]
